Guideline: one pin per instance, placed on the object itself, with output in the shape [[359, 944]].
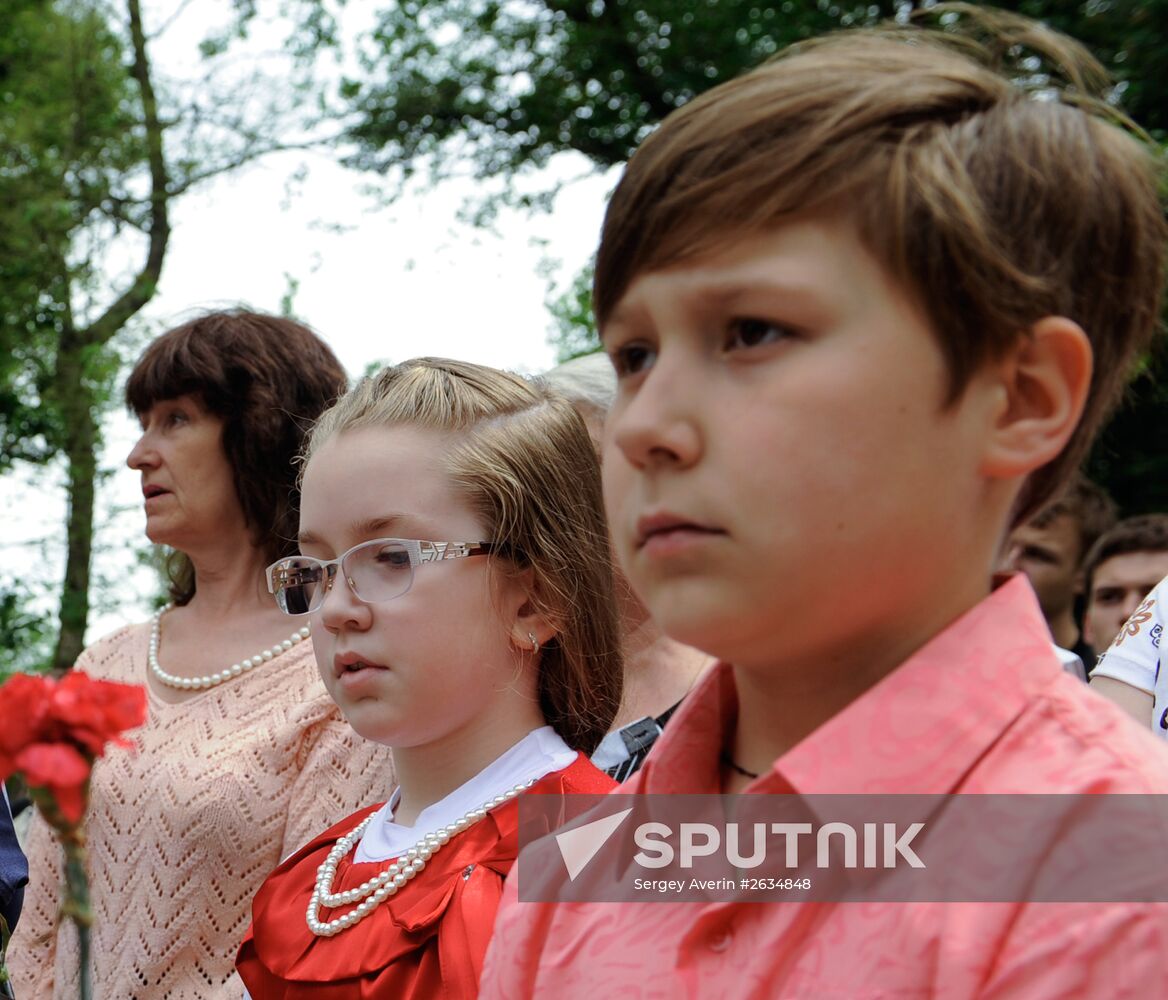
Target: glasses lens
[[380, 571], [299, 585]]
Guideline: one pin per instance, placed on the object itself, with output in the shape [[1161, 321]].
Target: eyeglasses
[[375, 571]]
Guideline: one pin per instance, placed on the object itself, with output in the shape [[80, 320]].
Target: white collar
[[611, 751], [539, 753]]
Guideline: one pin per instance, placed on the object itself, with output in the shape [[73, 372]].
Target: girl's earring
[[534, 643]]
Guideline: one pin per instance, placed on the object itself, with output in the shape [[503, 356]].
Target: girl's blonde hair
[[523, 458]]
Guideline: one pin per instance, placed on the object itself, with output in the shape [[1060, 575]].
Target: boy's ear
[[1043, 384], [1080, 583]]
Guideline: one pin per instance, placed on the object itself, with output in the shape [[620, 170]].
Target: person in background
[[13, 875], [1120, 571], [868, 304], [13, 865], [1050, 549], [659, 672], [243, 755], [1125, 594], [456, 570]]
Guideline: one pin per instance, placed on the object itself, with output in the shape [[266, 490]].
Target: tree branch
[[175, 15], [145, 283], [242, 159]]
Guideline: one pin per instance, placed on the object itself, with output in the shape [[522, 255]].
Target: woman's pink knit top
[[182, 832]]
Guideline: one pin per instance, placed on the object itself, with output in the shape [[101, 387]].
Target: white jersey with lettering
[[1135, 655]]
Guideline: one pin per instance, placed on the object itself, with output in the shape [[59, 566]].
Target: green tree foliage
[[1130, 38], [65, 139], [79, 140], [25, 633], [1130, 457], [575, 329], [93, 151], [510, 83]]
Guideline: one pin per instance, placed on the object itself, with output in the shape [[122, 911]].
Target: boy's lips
[[663, 526]]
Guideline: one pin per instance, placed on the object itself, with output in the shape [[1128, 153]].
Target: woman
[[244, 756]]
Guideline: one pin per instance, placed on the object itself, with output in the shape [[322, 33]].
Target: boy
[[867, 305], [1120, 571], [1050, 549]]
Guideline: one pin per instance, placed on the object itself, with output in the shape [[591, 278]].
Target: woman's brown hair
[[267, 378], [525, 462]]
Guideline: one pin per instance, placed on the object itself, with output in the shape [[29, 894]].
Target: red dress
[[427, 941]]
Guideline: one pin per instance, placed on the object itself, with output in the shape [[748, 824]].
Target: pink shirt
[[983, 707]]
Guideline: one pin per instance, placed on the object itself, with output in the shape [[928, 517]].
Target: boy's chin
[[713, 631]]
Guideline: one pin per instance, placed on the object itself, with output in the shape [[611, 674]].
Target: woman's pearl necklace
[[388, 882], [212, 680]]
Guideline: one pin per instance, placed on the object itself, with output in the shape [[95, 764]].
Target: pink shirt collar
[[919, 730]]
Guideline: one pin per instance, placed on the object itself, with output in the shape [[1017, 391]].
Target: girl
[[455, 570]]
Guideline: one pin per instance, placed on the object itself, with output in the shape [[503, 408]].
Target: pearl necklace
[[212, 680], [388, 882]]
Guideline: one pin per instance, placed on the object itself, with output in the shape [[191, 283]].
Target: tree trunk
[[73, 383], [78, 408]]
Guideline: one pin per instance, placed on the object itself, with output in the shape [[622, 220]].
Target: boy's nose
[[658, 425], [1131, 602]]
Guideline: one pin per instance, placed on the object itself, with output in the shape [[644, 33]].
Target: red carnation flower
[[23, 704], [53, 730]]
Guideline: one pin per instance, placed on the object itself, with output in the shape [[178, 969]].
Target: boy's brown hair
[[993, 203], [1087, 504], [1142, 533]]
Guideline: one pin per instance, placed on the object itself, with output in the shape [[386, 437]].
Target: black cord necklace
[[737, 768]]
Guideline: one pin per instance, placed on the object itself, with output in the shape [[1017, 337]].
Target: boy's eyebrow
[[621, 313], [743, 280], [720, 286]]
